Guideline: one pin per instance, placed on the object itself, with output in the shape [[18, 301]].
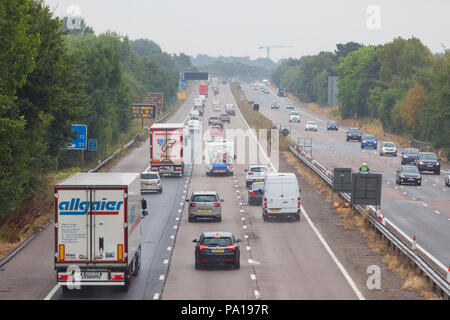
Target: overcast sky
[[240, 27]]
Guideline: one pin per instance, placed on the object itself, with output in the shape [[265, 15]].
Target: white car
[[311, 126], [294, 116], [151, 181], [290, 107], [388, 147], [255, 173], [217, 108]]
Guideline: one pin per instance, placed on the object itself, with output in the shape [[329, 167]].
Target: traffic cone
[[379, 214], [414, 245], [383, 221]]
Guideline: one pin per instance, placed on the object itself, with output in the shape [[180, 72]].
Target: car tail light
[[216, 204], [250, 173], [159, 181], [177, 169], [117, 277], [203, 247], [63, 277], [155, 169], [192, 204], [231, 247], [298, 203], [252, 193]]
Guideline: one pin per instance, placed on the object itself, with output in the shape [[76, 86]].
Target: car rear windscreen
[[220, 242], [428, 156], [204, 198], [259, 169], [149, 176]]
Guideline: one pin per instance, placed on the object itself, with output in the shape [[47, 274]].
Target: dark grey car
[[408, 175], [255, 194], [428, 161]]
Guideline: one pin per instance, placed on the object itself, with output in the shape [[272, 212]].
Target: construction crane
[[272, 46]]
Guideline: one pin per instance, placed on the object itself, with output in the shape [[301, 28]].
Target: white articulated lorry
[[219, 157], [166, 148], [98, 229]]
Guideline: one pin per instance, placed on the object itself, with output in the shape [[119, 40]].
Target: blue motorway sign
[[92, 145], [183, 84], [80, 141]]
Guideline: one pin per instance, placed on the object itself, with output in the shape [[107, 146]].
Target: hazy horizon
[[239, 28]]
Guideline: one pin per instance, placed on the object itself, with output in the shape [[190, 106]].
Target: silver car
[[151, 181], [447, 179], [388, 147], [205, 204], [255, 173], [311, 126]]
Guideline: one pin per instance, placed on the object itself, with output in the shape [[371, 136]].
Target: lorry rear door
[[109, 225], [72, 225]]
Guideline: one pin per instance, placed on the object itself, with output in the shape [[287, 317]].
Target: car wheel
[[419, 184], [197, 264], [190, 219], [219, 219], [395, 154], [160, 190], [438, 172], [265, 217], [238, 264], [297, 218]]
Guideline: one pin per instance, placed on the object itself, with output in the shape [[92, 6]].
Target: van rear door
[[282, 196]]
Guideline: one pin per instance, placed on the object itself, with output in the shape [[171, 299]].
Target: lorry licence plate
[[205, 210], [91, 275], [275, 210]]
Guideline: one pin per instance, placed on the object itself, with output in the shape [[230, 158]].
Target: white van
[[281, 196]]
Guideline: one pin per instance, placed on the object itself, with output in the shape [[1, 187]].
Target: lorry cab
[[281, 196]]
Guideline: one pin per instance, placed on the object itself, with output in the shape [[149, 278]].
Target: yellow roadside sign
[[181, 95]]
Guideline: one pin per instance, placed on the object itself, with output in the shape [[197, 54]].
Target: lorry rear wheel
[[125, 287]]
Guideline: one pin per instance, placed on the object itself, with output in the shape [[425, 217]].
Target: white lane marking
[[172, 237], [257, 294], [253, 277], [161, 277], [246, 236], [335, 259], [340, 266], [181, 203], [179, 210], [169, 248], [166, 261], [177, 218], [437, 212], [249, 248], [243, 219], [53, 291], [244, 227], [156, 296], [175, 227], [413, 198], [425, 205], [250, 261]]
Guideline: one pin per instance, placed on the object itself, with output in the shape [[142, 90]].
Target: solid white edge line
[[335, 259], [330, 252], [52, 292]]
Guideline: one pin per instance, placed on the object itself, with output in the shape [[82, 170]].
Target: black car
[[255, 194], [216, 123], [217, 248], [332, 125], [354, 134], [225, 118], [407, 174], [409, 155], [428, 161]]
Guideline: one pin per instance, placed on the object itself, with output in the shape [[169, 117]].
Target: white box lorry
[[219, 157], [166, 148], [98, 229]]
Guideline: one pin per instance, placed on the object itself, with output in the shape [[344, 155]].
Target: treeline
[[53, 76], [401, 83], [203, 60], [235, 69]]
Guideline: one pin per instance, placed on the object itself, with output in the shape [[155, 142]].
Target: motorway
[[279, 260], [421, 211]]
